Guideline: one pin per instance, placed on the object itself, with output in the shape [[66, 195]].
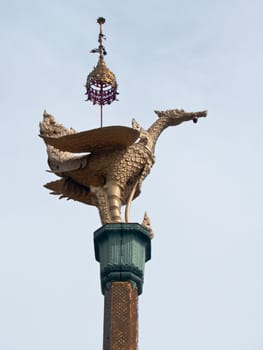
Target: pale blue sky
[[203, 287]]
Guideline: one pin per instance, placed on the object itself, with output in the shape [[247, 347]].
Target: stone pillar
[[120, 317], [122, 250]]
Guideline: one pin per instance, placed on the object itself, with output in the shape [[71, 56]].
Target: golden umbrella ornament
[[101, 83]]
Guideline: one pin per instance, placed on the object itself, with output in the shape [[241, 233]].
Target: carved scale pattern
[[110, 177]]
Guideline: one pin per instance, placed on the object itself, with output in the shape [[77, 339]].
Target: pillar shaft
[[120, 316]]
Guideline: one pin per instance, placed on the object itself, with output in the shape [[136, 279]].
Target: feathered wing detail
[[111, 175], [68, 188], [59, 161], [49, 127]]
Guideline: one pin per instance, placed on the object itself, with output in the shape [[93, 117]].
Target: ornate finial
[[147, 224], [101, 82]]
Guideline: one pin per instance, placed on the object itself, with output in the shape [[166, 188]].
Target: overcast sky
[[203, 287]]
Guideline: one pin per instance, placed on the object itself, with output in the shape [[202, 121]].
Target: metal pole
[[101, 106]]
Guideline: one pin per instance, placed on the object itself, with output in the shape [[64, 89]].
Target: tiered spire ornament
[[101, 83]]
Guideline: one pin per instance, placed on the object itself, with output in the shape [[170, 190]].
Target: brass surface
[[101, 74], [112, 174], [95, 140], [120, 317]]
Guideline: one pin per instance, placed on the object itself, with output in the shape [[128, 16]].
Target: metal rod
[[101, 106]]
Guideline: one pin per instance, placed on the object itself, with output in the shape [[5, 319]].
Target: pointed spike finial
[[101, 48]]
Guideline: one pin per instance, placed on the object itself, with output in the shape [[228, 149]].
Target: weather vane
[[101, 83]]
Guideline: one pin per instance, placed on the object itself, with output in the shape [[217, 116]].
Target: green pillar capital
[[122, 250]]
